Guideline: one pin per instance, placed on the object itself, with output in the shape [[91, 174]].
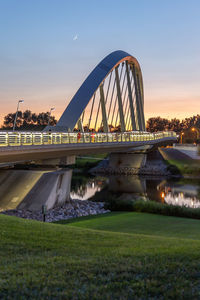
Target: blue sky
[[42, 64]]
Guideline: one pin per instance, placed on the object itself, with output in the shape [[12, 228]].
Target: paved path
[[191, 151], [173, 154]]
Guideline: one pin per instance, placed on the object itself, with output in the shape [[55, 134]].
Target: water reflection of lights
[[163, 195], [182, 200], [87, 191]]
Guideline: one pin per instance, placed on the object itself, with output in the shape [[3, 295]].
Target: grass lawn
[[186, 167], [89, 161], [114, 256], [140, 223]]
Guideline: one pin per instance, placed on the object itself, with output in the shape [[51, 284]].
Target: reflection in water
[[160, 190], [89, 190], [84, 188], [30, 189], [181, 194], [127, 184]]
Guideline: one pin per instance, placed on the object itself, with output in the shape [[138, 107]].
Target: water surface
[[31, 189]]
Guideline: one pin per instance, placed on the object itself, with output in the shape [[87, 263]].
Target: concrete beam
[[61, 161]]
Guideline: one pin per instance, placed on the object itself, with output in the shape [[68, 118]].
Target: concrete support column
[[51, 189], [123, 162]]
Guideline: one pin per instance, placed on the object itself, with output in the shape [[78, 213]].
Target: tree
[[160, 124], [157, 124], [27, 117], [9, 120], [28, 120]]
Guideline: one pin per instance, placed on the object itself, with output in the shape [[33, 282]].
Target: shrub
[[153, 207], [173, 170]]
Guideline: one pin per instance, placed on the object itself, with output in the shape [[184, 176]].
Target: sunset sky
[[48, 47]]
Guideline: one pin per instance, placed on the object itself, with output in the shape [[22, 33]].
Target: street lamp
[[51, 109], [20, 101], [182, 133], [197, 131]]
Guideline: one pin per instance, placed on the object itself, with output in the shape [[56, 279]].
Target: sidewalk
[[189, 150]]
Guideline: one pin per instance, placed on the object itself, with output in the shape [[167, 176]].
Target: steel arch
[[82, 97]]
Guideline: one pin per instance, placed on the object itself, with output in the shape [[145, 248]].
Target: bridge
[[105, 115]]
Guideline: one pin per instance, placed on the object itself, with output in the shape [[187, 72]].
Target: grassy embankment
[[87, 162], [179, 165], [114, 256], [186, 167]]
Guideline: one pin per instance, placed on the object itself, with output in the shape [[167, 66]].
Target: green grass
[[113, 256], [140, 223], [177, 165], [89, 161], [188, 167]]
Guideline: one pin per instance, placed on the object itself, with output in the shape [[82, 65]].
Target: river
[[31, 189]]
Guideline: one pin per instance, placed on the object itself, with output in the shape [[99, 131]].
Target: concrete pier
[[29, 190], [122, 162]]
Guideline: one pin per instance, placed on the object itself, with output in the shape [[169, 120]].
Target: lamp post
[[20, 101], [51, 109], [182, 133], [197, 131]]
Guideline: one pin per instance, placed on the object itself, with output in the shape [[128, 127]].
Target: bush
[[173, 170], [153, 207]]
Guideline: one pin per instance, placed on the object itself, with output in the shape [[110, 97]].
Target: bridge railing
[[56, 138]]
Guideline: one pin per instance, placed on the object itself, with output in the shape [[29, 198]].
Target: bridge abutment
[[50, 189], [141, 163], [127, 162]]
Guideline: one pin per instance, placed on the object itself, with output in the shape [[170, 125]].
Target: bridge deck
[[20, 147], [13, 139]]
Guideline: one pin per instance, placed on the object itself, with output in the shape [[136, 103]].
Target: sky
[[49, 47]]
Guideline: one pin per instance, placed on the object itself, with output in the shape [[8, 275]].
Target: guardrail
[[56, 138]]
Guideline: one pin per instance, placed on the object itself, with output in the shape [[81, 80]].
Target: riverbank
[[118, 255], [180, 162], [85, 163], [71, 209]]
